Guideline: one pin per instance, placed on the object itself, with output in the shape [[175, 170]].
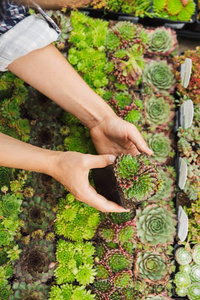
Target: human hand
[[115, 136], [72, 170]]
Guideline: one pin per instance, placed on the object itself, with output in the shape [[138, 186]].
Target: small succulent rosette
[[137, 178]]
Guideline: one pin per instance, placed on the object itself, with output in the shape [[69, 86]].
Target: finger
[[99, 202], [136, 137], [99, 161]]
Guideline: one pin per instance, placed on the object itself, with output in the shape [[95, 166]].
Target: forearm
[[50, 73], [19, 155], [55, 4]]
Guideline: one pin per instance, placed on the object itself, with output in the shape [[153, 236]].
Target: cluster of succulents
[[192, 91], [178, 10], [193, 213], [137, 177], [75, 220], [187, 279]]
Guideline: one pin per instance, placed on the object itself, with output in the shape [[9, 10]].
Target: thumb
[[100, 161]]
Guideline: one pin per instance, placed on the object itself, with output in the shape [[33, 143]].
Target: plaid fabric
[[13, 15]]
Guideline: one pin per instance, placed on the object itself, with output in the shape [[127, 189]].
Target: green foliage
[[76, 220], [159, 76], [5, 176], [35, 290], [155, 225], [70, 292], [194, 291], [182, 280], [75, 262], [103, 286], [123, 279], [118, 261], [119, 218], [183, 257]]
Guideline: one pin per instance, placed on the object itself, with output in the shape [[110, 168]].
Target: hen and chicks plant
[[137, 177]]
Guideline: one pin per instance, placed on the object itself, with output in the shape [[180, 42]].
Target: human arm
[[69, 168], [50, 73], [55, 4]]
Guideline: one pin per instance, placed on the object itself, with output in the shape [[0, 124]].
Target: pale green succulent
[[183, 257], [196, 254], [158, 110], [195, 273], [163, 41], [35, 290], [158, 297], [160, 145], [155, 225], [159, 75], [194, 291], [151, 267], [182, 280]]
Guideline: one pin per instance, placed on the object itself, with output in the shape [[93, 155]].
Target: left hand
[[115, 136]]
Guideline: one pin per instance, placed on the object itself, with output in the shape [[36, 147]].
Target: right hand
[[72, 170]]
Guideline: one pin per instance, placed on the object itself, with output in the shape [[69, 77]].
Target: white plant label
[[186, 70], [186, 114], [182, 173], [182, 224]]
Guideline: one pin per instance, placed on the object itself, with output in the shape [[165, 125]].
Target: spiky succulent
[[76, 220], [159, 111], [151, 267], [36, 262], [155, 225], [163, 41], [195, 273], [160, 145], [119, 218], [37, 213], [159, 75], [118, 260], [137, 177], [123, 279], [23, 290], [5, 176], [183, 257], [68, 291]]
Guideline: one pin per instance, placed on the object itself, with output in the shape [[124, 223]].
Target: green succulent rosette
[[182, 280], [155, 225], [35, 290], [152, 267], [160, 145], [182, 256], [195, 273], [196, 254], [158, 111], [163, 41], [159, 75], [194, 291]]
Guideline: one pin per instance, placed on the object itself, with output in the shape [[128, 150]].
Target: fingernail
[[112, 158], [150, 152]]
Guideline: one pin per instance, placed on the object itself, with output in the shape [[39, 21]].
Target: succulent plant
[[160, 145], [123, 279], [36, 262], [159, 76], [195, 273], [155, 225], [118, 260], [37, 213], [151, 267], [68, 291], [181, 292], [196, 254], [76, 220], [137, 177], [23, 290], [159, 111], [5, 176], [182, 280], [157, 297], [119, 218], [194, 291], [163, 41], [183, 257]]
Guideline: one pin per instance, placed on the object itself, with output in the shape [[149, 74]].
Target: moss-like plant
[[137, 177], [118, 261], [76, 220], [75, 262], [155, 225], [68, 291]]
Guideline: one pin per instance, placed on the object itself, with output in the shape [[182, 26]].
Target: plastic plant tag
[[186, 70], [186, 114], [182, 224], [182, 177]]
